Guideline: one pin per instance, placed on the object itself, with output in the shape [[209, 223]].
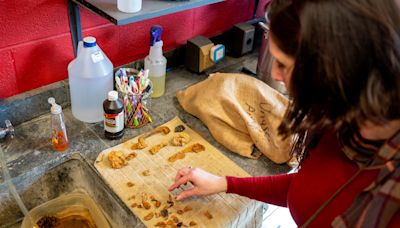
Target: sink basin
[[72, 172]]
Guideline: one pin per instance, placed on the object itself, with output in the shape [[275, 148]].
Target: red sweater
[[325, 170]]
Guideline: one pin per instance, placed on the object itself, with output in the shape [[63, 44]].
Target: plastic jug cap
[[89, 41], [113, 95], [155, 34], [55, 108]]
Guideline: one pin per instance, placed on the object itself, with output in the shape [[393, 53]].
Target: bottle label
[[97, 57], [114, 123]]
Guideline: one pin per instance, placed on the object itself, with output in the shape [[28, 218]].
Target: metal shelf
[[108, 9], [150, 9]]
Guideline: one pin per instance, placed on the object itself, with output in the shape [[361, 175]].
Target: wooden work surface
[[227, 210]]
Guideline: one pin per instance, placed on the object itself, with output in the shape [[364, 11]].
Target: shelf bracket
[[74, 24], [256, 5]]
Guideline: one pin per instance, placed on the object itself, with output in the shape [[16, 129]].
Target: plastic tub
[[75, 209]]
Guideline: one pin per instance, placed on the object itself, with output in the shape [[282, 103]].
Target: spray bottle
[[155, 62]]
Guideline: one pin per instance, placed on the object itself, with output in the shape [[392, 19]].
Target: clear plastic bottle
[[155, 62], [129, 6], [90, 78], [59, 137]]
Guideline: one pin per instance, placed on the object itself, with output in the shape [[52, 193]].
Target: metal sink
[[73, 172]]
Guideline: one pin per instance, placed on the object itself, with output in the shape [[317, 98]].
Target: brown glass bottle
[[113, 116]]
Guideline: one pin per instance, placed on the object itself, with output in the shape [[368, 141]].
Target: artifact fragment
[[141, 144], [163, 129], [132, 197], [161, 224], [195, 148], [117, 159], [148, 216], [164, 213], [179, 128], [146, 173], [157, 203], [187, 208], [176, 156], [131, 156], [146, 205], [208, 215], [157, 148], [180, 139], [174, 218]]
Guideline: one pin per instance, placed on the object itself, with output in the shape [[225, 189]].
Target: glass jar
[[137, 108]]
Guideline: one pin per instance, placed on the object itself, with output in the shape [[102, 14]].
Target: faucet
[[9, 129]]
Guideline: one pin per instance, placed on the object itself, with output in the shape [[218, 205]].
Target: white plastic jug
[[90, 78]]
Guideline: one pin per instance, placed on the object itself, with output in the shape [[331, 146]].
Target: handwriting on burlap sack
[[264, 109]]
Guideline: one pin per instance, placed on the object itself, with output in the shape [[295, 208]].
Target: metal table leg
[[74, 24]]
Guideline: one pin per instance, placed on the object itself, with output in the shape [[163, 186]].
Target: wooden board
[[228, 210]]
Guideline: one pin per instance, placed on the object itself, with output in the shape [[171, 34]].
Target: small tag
[[219, 54], [97, 57]]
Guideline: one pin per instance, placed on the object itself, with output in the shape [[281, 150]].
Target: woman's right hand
[[204, 183]]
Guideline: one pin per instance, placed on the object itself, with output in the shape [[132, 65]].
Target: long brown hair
[[347, 61]]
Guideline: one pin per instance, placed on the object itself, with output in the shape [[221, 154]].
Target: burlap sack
[[240, 112]]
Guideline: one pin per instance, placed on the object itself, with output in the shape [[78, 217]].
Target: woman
[[340, 61]]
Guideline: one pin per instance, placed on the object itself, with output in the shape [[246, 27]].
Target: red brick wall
[[36, 46], [261, 7]]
